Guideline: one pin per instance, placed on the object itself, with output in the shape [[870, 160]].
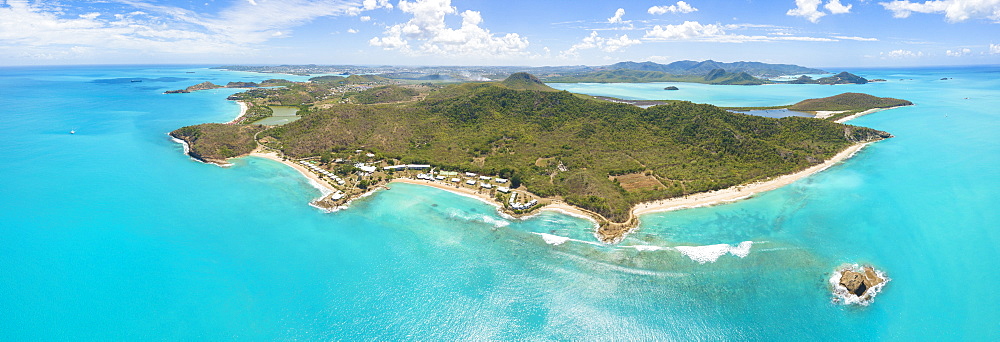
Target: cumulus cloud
[[954, 10], [365, 18], [809, 9], [995, 49], [958, 53], [899, 54], [617, 18], [595, 41], [428, 28], [835, 7], [352, 31], [679, 7]]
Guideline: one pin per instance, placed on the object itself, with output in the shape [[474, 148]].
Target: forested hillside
[[559, 144]]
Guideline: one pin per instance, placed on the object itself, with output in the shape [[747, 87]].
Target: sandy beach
[[607, 231], [741, 191], [243, 111], [855, 116], [692, 201]]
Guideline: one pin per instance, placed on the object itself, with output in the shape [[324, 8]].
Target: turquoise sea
[[113, 234]]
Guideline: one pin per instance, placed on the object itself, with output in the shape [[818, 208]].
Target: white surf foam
[[843, 296], [554, 240], [187, 152], [711, 253], [646, 248]]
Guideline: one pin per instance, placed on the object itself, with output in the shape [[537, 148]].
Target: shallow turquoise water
[[111, 233]]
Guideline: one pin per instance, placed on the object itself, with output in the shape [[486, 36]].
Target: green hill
[[841, 78], [682, 148], [525, 81], [716, 76], [848, 101], [383, 94], [700, 68]]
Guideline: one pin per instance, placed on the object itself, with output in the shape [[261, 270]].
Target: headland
[[523, 146]]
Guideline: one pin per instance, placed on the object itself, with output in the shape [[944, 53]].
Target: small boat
[[72, 132]]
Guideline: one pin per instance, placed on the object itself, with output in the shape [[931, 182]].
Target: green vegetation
[[383, 94], [841, 78], [215, 142], [352, 79], [525, 81], [848, 101], [680, 148]]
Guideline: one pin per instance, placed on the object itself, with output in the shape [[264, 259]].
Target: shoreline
[[870, 111], [739, 192], [314, 179], [243, 111], [605, 230]]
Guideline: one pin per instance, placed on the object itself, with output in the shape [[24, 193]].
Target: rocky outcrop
[[855, 284], [861, 134]]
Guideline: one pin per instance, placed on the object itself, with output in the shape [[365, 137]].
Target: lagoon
[[282, 115]]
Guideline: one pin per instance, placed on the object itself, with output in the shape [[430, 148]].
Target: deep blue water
[[113, 234]]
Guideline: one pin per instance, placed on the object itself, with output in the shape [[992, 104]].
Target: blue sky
[[819, 33]]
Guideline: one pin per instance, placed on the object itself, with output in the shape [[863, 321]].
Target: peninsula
[[525, 146]]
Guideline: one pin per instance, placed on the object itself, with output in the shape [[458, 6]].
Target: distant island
[[522, 145], [838, 108], [706, 72]]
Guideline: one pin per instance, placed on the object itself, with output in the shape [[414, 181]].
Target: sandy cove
[[243, 111], [325, 187]]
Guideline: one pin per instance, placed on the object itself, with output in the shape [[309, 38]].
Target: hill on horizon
[[525, 81], [687, 67]]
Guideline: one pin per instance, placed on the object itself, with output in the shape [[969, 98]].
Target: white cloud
[[954, 10], [605, 44], [685, 31], [899, 54], [695, 31], [835, 7], [958, 53], [352, 31], [428, 26], [617, 18], [368, 5], [680, 7], [365, 18], [995, 49], [808, 9], [860, 39], [51, 29]]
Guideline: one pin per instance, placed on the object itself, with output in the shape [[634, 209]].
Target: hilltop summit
[[525, 81]]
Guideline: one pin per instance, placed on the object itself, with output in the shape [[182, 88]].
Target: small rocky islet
[[855, 284]]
